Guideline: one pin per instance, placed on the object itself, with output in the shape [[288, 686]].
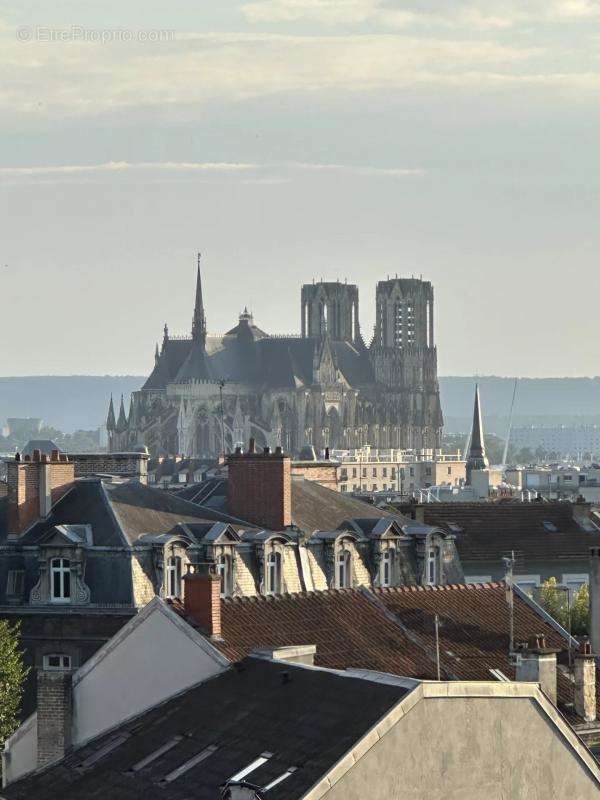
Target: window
[[60, 580], [433, 566], [174, 576], [364, 472], [449, 470], [343, 488], [57, 661], [412, 472], [273, 574], [374, 489], [225, 573], [15, 582], [386, 568], [354, 472], [374, 472], [385, 472], [343, 562], [428, 471]]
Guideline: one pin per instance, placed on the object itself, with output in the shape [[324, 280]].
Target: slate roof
[[174, 353], [305, 718], [489, 531], [118, 512], [45, 446], [315, 507], [142, 510], [392, 630]]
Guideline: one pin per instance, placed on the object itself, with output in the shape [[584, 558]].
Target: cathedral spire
[[110, 420], [199, 321], [122, 421], [476, 458]]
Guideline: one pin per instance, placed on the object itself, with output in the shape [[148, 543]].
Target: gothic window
[[60, 580], [386, 570], [273, 574], [173, 576], [226, 574], [342, 569]]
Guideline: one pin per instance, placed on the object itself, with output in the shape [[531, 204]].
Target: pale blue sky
[[292, 139]]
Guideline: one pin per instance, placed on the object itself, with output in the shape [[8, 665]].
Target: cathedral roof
[[174, 354], [196, 366]]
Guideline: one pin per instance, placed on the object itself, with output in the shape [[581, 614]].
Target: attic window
[[190, 764], [262, 759], [57, 661], [550, 526], [280, 779]]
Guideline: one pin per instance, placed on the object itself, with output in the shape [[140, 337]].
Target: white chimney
[[537, 664], [585, 683]]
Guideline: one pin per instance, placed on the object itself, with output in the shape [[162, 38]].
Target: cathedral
[[326, 387]]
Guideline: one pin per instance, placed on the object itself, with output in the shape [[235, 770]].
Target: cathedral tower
[[330, 308]]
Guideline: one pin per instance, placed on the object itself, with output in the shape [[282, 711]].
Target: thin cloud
[[172, 171]]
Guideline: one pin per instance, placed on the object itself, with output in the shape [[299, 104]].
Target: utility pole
[[221, 386]]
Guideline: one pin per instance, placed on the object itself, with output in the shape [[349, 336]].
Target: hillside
[[80, 401]]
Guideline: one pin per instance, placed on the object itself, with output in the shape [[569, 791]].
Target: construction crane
[[510, 419]]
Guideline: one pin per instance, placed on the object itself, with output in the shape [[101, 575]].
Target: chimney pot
[[238, 451], [36, 455], [45, 459], [17, 456], [252, 446], [279, 450], [266, 451], [28, 457], [55, 455]]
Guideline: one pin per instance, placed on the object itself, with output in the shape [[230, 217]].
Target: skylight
[[239, 776], [500, 676], [549, 526], [187, 765], [156, 754], [104, 751], [280, 779]]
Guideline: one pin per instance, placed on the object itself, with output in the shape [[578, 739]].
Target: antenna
[[510, 419], [509, 565]]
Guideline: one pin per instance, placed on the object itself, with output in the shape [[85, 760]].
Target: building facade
[[324, 388]]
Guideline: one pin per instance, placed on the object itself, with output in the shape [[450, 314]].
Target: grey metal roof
[[304, 718]]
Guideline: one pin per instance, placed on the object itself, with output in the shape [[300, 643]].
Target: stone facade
[[325, 388]]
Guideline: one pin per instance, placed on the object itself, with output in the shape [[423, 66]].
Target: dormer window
[[173, 576], [273, 574], [225, 573], [342, 569], [60, 580], [387, 568]]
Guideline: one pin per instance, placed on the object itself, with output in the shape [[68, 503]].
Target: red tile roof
[[392, 630]]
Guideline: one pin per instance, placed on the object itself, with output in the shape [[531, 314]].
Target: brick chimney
[[585, 683], [202, 601], [537, 664], [595, 598], [260, 487], [54, 715], [34, 486]]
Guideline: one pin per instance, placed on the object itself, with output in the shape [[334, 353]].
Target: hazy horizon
[[298, 139]]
